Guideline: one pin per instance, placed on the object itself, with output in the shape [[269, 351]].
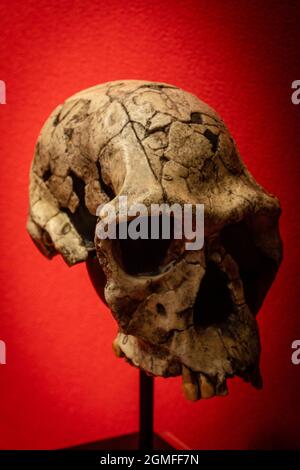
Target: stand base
[[124, 442]]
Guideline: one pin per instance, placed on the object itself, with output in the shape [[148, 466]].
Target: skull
[[179, 312]]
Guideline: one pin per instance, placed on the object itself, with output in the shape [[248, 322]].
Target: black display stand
[[145, 439]]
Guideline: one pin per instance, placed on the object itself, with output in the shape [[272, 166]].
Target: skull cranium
[[178, 311]]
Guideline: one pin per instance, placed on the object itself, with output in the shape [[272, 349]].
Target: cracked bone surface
[[179, 312]]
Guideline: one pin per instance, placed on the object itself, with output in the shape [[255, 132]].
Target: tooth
[[190, 384], [116, 348], [221, 389], [206, 387]]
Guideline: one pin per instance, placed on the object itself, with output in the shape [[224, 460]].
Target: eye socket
[[257, 270], [145, 256], [213, 303], [82, 219]]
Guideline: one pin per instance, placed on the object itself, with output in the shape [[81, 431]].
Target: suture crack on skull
[[179, 312]]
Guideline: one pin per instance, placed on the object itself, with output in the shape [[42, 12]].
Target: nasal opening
[[144, 256]]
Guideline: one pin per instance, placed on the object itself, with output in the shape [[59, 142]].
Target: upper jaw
[[205, 357]]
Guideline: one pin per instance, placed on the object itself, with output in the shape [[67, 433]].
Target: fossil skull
[[179, 312]]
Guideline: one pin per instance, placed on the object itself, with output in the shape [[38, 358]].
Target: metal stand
[[146, 434]]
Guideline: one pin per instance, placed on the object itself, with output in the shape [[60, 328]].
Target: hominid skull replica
[[179, 312]]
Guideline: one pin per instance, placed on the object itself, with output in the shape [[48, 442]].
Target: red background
[[62, 385]]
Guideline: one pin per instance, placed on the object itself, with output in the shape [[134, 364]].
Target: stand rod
[[146, 412]]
